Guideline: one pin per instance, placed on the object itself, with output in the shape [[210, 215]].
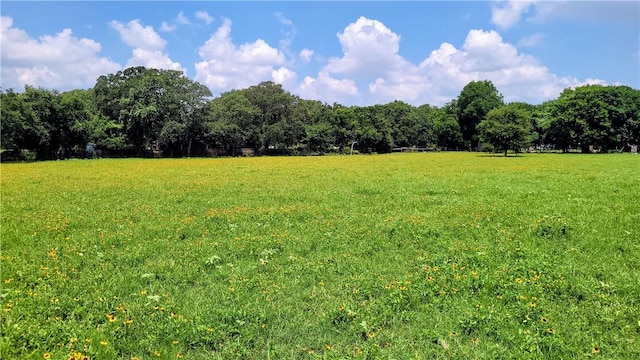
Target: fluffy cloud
[[368, 47], [152, 59], [371, 62], [282, 19], [147, 46], [484, 55], [181, 19], [305, 55], [328, 89], [204, 17], [225, 66], [284, 76], [61, 61], [166, 27], [138, 36], [485, 52], [289, 33], [505, 14], [369, 54]]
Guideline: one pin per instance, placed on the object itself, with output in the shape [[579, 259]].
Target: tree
[[404, 124], [319, 138], [475, 101], [446, 127], [76, 110], [311, 126], [425, 127], [144, 100], [275, 106], [373, 129], [540, 122], [21, 128], [506, 128], [233, 121], [629, 116], [589, 116], [343, 122], [171, 137]]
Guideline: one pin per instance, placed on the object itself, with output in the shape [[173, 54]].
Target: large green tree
[[275, 106], [475, 101], [21, 128], [446, 127], [150, 102], [588, 116], [318, 136], [45, 105], [233, 122], [373, 130], [425, 130], [506, 128], [410, 126], [343, 124], [128, 111]]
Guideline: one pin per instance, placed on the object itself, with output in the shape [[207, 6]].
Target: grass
[[432, 255]]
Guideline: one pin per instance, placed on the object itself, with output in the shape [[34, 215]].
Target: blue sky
[[353, 53]]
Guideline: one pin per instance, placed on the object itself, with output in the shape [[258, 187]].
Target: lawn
[[424, 255]]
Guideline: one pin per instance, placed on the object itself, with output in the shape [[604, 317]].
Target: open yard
[[423, 255]]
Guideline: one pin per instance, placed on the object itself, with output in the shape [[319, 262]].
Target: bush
[[18, 155]]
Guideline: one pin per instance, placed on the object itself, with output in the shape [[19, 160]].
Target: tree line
[[140, 111]]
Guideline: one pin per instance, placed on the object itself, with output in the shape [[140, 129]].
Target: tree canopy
[[506, 128], [606, 117], [134, 110], [475, 101], [153, 105]]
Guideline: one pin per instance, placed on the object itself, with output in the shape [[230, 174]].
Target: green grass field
[[398, 256]]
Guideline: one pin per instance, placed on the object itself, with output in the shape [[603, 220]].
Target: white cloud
[[370, 55], [328, 89], [487, 52], [153, 59], [283, 20], [168, 27], [181, 19], [225, 66], [305, 55], [138, 36], [371, 62], [289, 33], [408, 91], [147, 46], [505, 14], [61, 61], [284, 76], [369, 52], [204, 17], [484, 55], [369, 48]]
